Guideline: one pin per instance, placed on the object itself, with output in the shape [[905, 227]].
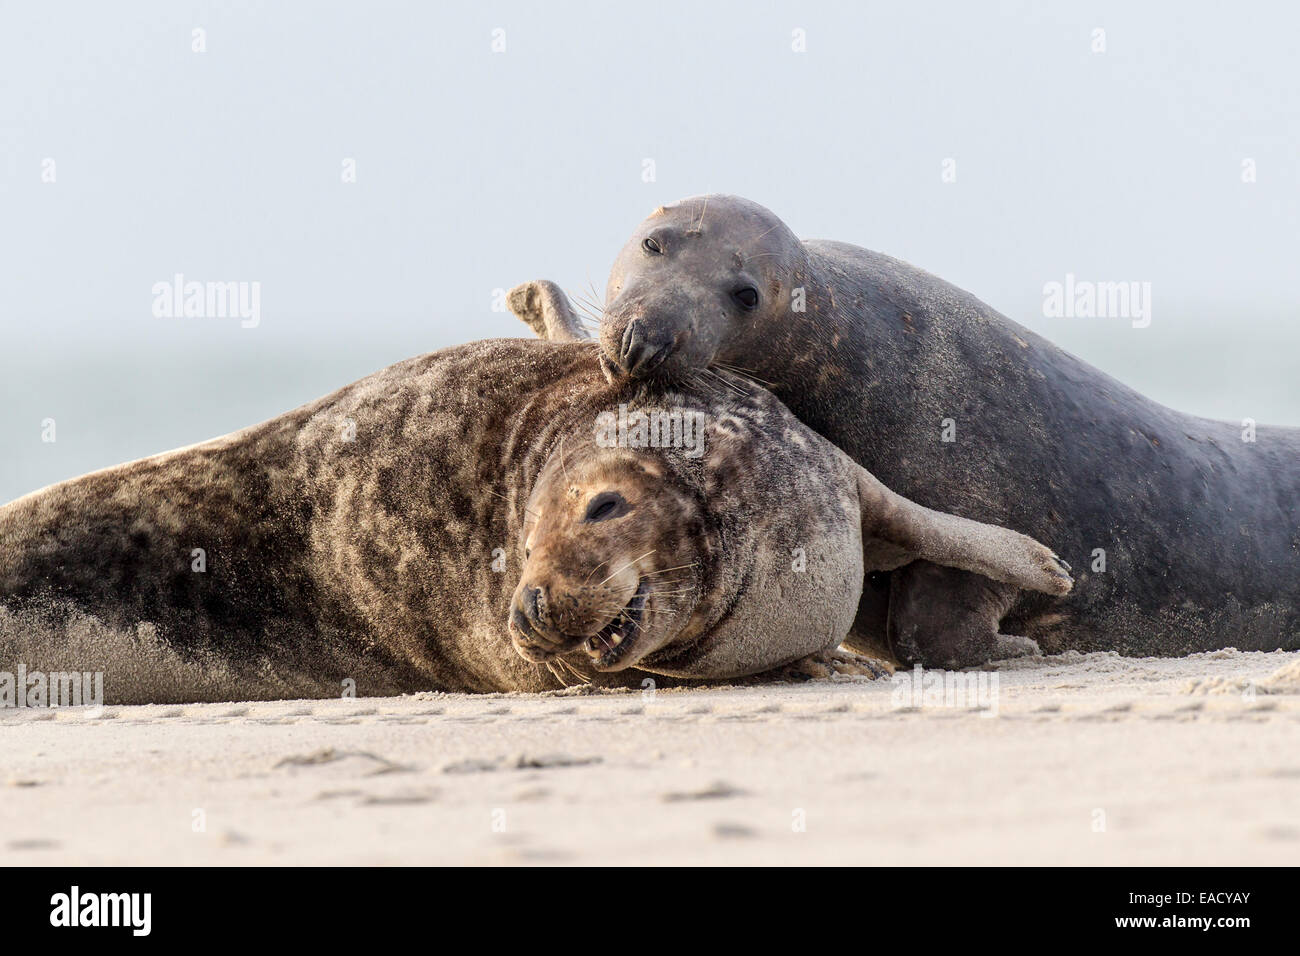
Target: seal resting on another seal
[[1187, 538], [457, 522]]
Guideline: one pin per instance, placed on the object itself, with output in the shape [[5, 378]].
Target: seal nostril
[[639, 354], [632, 345], [532, 604]]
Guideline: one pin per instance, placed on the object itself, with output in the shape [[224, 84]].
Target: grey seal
[[467, 521], [1185, 537]]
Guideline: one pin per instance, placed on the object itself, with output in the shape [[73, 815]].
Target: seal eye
[[746, 297], [651, 245], [606, 505]]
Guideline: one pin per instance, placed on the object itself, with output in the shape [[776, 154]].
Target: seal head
[[614, 551], [728, 548], [688, 289]]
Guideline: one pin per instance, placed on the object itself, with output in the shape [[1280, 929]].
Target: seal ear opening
[[544, 307]]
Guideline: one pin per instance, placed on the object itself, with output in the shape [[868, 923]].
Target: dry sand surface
[[1091, 759]]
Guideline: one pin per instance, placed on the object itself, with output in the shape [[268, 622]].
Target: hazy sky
[[477, 169]]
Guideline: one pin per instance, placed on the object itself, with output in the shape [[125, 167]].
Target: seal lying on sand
[[377, 535], [1187, 538]]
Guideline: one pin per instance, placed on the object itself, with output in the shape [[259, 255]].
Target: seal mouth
[[613, 642]]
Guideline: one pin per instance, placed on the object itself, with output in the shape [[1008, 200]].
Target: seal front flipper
[[952, 580], [1008, 646], [544, 307], [945, 617], [831, 663], [944, 539]]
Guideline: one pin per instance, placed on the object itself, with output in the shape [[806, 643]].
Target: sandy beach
[[1089, 759]]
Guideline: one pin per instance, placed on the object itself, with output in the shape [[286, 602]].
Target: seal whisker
[[609, 607], [557, 672], [699, 381], [574, 671], [628, 565], [718, 375], [709, 371], [703, 209], [743, 373], [650, 574], [590, 305], [732, 365], [747, 382], [760, 235], [594, 570], [507, 500], [585, 306], [669, 582], [565, 666], [671, 587]]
